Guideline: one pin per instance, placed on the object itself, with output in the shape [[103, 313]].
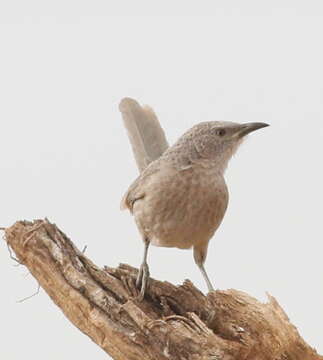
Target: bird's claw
[[142, 280]]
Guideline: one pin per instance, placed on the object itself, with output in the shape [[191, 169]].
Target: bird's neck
[[214, 166]]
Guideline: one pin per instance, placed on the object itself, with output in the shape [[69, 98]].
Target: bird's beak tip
[[250, 127], [265, 124], [256, 125]]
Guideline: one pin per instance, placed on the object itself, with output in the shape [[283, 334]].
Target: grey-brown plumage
[[179, 200], [146, 136]]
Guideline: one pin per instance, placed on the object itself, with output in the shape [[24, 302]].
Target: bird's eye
[[220, 132]]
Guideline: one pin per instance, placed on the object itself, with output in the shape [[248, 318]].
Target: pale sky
[[64, 67]]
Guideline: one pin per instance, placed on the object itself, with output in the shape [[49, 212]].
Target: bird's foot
[[142, 280]]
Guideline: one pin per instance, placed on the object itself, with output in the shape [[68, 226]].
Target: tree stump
[[172, 322]]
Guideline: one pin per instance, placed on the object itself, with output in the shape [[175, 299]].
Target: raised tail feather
[[147, 138]]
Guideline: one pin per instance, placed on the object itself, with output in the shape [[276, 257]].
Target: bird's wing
[[137, 189], [145, 133]]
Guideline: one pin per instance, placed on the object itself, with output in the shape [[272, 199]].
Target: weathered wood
[[173, 322]]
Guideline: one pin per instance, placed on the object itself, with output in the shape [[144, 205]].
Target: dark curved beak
[[246, 129]]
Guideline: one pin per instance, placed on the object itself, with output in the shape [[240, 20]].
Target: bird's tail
[[145, 133]]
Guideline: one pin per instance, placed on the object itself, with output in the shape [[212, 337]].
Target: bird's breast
[[182, 208]]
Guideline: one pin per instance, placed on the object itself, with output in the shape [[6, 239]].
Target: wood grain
[[173, 322]]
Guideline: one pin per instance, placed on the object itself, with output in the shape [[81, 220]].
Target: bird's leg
[[206, 278], [143, 274], [199, 257]]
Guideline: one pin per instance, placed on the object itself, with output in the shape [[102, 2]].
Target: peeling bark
[[173, 322]]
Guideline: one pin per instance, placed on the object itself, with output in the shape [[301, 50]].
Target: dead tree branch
[[173, 322]]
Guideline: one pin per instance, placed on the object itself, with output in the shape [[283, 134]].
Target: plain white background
[[64, 67]]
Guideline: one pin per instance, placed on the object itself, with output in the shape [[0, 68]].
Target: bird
[[180, 198]]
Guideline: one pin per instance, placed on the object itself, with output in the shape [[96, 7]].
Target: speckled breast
[[183, 208]]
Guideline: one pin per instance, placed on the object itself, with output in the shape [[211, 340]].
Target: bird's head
[[217, 141]]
